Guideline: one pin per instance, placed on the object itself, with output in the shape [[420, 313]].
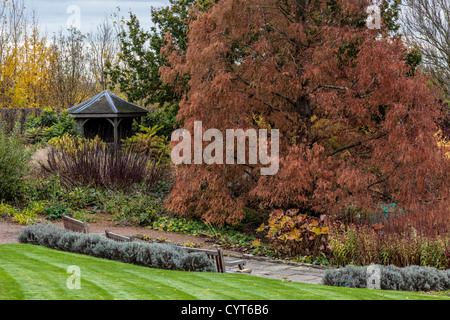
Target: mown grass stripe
[[28, 272], [9, 287], [35, 272], [165, 286], [97, 274], [341, 293], [43, 271]]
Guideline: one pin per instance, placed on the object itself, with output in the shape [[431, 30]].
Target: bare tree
[[72, 82], [103, 47], [12, 21], [425, 23]]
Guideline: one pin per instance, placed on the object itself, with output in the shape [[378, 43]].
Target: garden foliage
[[137, 204], [293, 233], [48, 125], [363, 246], [14, 164], [147, 142], [138, 75], [155, 255], [411, 278], [12, 116], [357, 126], [81, 160]]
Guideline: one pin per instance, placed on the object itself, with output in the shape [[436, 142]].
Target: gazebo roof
[[106, 104]]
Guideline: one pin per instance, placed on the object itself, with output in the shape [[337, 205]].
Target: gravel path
[[9, 232]]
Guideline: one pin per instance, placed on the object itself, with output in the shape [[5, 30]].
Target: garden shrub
[[92, 162], [14, 164], [65, 241], [26, 216], [411, 278], [165, 256], [197, 261], [48, 125], [293, 234], [136, 253], [155, 255], [55, 212], [41, 234], [137, 206], [17, 116], [350, 276], [143, 255], [148, 142], [86, 244]]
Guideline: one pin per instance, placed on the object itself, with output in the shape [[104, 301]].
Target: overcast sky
[[53, 14]]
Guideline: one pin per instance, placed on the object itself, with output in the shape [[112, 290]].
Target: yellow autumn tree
[[25, 57], [32, 79]]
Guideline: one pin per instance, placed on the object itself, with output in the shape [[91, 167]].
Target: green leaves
[[138, 73], [50, 124], [14, 164]]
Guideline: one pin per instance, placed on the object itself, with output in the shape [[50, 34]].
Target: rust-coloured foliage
[[357, 129]]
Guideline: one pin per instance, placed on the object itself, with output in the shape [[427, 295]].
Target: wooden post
[[116, 132], [115, 122], [80, 125]]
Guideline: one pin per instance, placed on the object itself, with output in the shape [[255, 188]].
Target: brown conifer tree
[[357, 127]]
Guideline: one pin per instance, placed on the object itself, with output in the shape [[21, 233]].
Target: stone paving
[[282, 271]]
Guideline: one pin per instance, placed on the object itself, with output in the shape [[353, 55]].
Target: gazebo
[[107, 116]]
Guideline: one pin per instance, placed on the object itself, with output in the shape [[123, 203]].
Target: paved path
[[283, 271]]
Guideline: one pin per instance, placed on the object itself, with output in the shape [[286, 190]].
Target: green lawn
[[29, 272]]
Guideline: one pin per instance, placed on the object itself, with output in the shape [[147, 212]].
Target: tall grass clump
[[14, 163], [93, 162], [363, 246]]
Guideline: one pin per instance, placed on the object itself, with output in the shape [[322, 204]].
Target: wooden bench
[[75, 225], [118, 237], [240, 263], [217, 256]]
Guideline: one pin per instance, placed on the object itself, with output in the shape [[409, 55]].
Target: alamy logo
[[213, 153], [374, 18], [373, 277], [74, 20], [74, 281]]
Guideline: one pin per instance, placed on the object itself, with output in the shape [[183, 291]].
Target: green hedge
[[14, 164], [155, 255]]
